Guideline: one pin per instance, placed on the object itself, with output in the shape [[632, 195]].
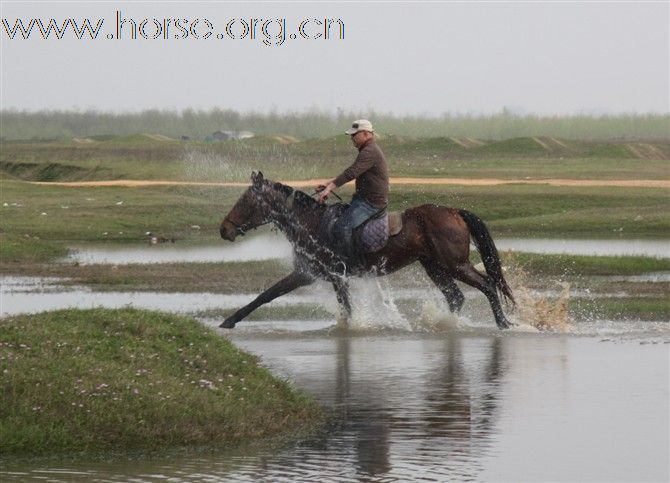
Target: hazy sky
[[401, 57]]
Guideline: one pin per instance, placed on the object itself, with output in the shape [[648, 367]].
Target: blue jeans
[[358, 212]]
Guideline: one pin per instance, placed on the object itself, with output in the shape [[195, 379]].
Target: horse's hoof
[[504, 325], [229, 323]]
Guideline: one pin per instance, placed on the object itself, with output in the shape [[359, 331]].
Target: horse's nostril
[[226, 234]]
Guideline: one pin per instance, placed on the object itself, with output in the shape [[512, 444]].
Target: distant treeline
[[197, 124]]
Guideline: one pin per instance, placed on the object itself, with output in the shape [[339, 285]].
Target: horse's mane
[[300, 199]]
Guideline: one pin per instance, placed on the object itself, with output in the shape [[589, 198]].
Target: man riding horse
[[438, 237], [370, 170]]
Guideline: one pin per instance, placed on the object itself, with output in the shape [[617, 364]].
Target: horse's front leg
[[285, 285], [341, 287]]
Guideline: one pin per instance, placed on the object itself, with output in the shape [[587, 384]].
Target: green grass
[[586, 265], [53, 213], [125, 380], [622, 308], [112, 214], [140, 157], [26, 249], [552, 211], [59, 215], [229, 277]]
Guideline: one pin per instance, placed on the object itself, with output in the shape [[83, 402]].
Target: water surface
[[454, 407], [275, 246]]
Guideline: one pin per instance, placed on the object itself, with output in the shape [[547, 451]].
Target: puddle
[[656, 277], [274, 246], [647, 248], [264, 247], [25, 295]]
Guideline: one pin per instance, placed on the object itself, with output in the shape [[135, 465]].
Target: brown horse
[[436, 236]]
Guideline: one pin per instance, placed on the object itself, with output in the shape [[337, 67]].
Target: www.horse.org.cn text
[[269, 32]]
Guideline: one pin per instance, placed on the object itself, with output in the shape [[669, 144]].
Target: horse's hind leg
[[466, 273], [446, 284]]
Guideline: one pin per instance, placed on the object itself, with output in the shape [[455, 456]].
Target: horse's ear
[[256, 178]]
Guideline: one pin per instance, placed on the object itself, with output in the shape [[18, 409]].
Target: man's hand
[[324, 191]]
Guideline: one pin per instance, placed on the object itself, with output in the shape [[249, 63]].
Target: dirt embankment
[[628, 183]]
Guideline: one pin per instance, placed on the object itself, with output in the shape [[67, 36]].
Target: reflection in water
[[371, 434], [396, 416], [461, 410]]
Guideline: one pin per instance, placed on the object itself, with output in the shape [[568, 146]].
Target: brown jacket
[[372, 175]]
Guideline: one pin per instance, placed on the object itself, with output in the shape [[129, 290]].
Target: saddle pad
[[395, 222], [369, 238], [374, 234]]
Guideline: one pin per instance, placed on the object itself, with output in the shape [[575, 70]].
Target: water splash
[[235, 160], [374, 307], [534, 310], [435, 316], [211, 165], [543, 313]]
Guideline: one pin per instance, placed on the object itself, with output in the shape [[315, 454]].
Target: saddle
[[371, 236]]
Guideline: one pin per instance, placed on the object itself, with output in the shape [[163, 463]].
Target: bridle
[[242, 229]]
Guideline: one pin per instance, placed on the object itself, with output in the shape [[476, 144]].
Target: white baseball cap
[[360, 125]]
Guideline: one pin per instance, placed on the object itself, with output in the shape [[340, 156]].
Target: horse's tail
[[489, 253]]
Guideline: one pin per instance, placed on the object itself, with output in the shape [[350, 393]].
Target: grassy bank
[[143, 157], [118, 214], [122, 380], [17, 249], [224, 277], [628, 308], [586, 265], [255, 276]]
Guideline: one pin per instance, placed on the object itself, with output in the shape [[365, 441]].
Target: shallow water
[[647, 248], [483, 406], [264, 247], [275, 246], [418, 396], [27, 295]]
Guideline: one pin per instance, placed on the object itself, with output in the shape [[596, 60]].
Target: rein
[[332, 192], [240, 228]]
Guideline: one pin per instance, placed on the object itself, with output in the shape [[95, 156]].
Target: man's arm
[[364, 161], [325, 189]]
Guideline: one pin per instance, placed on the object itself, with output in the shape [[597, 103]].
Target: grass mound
[[101, 380]]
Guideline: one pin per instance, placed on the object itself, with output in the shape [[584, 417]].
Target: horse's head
[[252, 209]]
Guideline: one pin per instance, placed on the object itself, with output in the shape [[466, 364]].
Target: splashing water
[[541, 312], [374, 307], [435, 316], [239, 159], [208, 165]]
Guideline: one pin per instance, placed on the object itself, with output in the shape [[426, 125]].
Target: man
[[370, 171]]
